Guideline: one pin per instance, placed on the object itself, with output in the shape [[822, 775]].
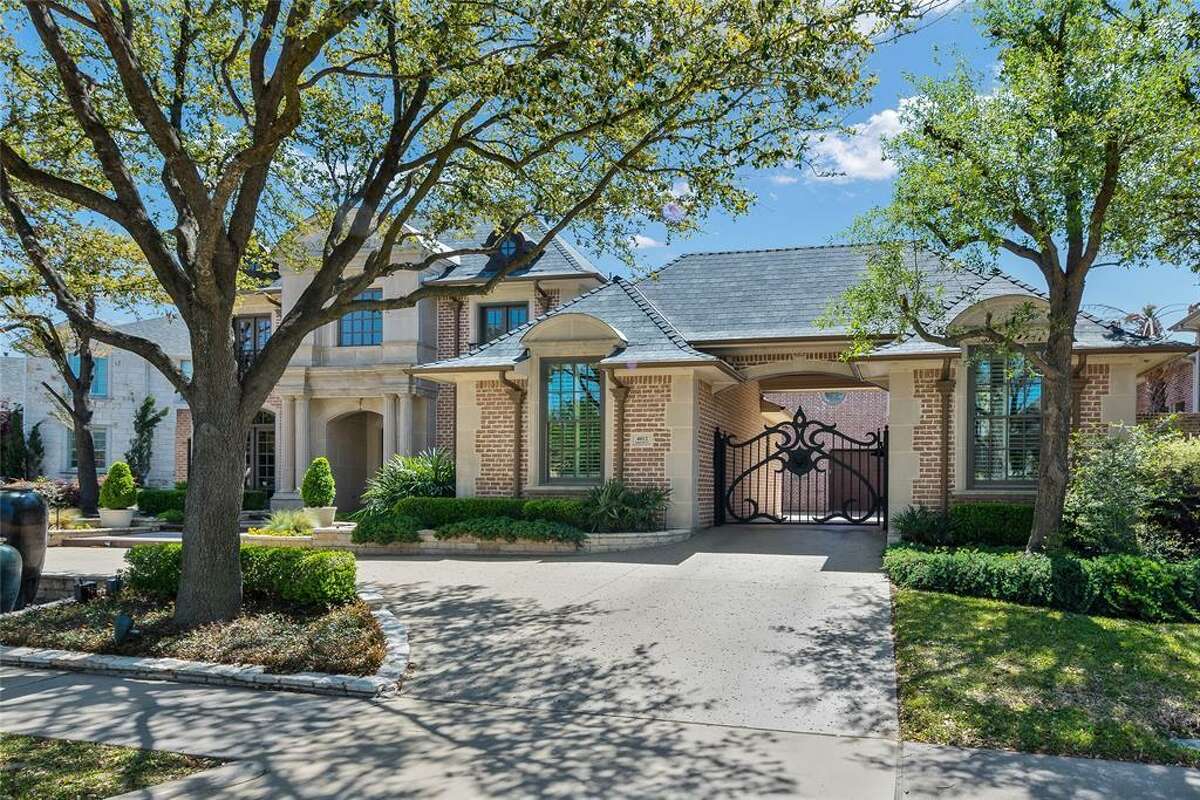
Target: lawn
[[33, 768], [982, 673], [344, 640]]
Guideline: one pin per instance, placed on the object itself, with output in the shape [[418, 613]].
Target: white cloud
[[783, 179], [859, 156], [641, 242], [681, 189]]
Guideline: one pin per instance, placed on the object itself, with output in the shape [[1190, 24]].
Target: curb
[[384, 683]]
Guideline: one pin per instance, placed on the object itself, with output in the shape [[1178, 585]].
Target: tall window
[[99, 374], [361, 328], [99, 444], [573, 422], [497, 320], [252, 333], [1006, 421]]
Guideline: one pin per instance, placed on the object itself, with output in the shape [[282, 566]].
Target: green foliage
[[288, 574], [145, 420], [288, 522], [428, 474], [252, 499], [511, 530], [1119, 585], [386, 527], [436, 511], [171, 515], [923, 526], [13, 449], [156, 501], [569, 512], [35, 452], [613, 506], [318, 489], [118, 490], [992, 524]]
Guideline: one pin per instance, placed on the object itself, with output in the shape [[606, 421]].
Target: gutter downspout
[[516, 393], [945, 388], [620, 392]]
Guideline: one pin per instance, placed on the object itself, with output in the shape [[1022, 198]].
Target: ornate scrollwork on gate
[[801, 449]]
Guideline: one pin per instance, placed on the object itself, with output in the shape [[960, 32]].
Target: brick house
[[1177, 382], [635, 379]]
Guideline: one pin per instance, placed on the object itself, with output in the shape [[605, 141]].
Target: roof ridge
[[658, 317]]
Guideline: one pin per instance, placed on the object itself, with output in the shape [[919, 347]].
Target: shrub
[[156, 501], [510, 530], [172, 515], [613, 506], [1123, 585], [570, 512], [318, 488], [288, 522], [428, 474], [924, 526], [1171, 527], [118, 491], [991, 524], [288, 574], [386, 527], [254, 500], [436, 511]]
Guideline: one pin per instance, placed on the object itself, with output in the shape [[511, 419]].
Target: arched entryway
[[354, 447]]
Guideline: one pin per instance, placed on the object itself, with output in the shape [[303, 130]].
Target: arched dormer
[[573, 328]]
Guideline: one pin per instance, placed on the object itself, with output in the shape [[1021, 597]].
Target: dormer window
[[508, 248]]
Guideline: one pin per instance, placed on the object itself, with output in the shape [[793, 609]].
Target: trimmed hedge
[[510, 530], [294, 575], [434, 512], [153, 502], [992, 524], [254, 500], [385, 528], [570, 512], [1115, 586]]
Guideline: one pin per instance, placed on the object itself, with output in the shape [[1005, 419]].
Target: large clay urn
[[24, 525]]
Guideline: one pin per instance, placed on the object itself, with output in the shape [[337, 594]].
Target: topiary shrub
[[569, 512], [386, 528], [318, 488], [511, 530], [314, 578], [156, 501], [436, 511], [991, 524], [118, 490]]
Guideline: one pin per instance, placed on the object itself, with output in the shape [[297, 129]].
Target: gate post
[[883, 511], [718, 462]]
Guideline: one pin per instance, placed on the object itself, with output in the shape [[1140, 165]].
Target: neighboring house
[[122, 381], [671, 380], [1176, 383]]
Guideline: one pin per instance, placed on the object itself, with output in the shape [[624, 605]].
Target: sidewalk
[[314, 747]]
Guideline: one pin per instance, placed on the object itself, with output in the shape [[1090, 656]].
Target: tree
[[145, 420], [210, 132], [1062, 164], [13, 449], [35, 452], [99, 267]]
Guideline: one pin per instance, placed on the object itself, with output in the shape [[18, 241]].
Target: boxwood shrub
[[305, 577], [1118, 586], [992, 524], [385, 528], [510, 530], [437, 511], [152, 502], [571, 512]]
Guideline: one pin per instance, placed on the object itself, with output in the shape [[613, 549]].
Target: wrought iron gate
[[801, 471]]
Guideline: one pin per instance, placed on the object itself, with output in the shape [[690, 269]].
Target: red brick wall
[[1177, 376], [646, 415], [735, 410], [444, 407], [927, 439], [1089, 398], [494, 440]]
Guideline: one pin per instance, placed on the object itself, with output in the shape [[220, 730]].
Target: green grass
[[32, 768], [982, 673]]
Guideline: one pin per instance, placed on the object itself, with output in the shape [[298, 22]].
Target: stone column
[[389, 426], [285, 481], [302, 451], [405, 427]]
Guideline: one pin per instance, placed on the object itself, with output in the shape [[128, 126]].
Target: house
[[120, 383], [1175, 387], [668, 381]]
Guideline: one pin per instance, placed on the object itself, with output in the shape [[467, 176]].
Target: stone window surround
[[543, 454], [482, 308], [968, 404], [69, 444]]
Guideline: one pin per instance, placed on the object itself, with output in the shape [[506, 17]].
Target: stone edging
[[339, 539], [384, 683]]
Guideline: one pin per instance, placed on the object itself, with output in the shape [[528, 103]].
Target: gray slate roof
[[559, 260], [169, 332], [650, 338]]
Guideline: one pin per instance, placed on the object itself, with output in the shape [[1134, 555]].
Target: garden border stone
[[384, 683]]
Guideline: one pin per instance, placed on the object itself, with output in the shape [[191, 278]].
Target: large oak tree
[[1081, 156]]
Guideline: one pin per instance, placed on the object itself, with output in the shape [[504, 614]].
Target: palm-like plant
[[427, 474]]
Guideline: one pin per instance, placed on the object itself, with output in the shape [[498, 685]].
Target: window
[[572, 430], [1006, 421], [361, 328], [508, 248], [185, 367], [99, 373], [99, 444], [834, 398], [251, 333], [497, 320]]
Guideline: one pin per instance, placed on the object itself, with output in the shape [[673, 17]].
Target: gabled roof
[[650, 339], [558, 260], [1091, 333]]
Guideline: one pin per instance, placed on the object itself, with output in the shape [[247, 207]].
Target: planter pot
[[116, 517], [24, 526], [10, 578], [321, 516]]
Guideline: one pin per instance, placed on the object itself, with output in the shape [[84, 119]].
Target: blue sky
[[796, 209]]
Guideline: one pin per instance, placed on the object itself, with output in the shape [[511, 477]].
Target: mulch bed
[[344, 640]]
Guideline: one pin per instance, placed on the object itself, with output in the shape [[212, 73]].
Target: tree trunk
[[85, 455], [210, 587], [1057, 399]]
